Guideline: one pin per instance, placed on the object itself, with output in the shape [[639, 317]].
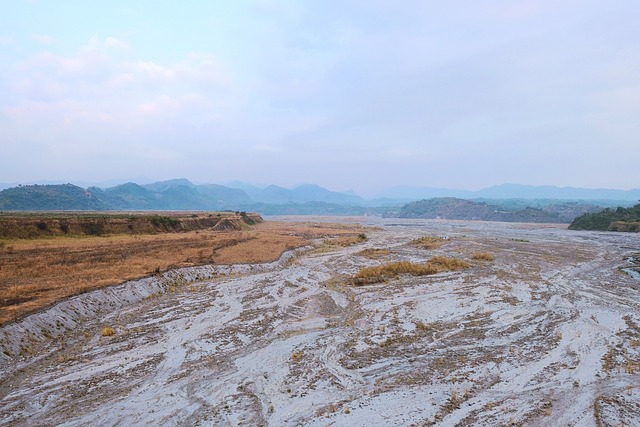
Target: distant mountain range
[[538, 204], [515, 191], [177, 194]]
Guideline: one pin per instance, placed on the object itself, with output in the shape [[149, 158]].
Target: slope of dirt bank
[[546, 334], [15, 225]]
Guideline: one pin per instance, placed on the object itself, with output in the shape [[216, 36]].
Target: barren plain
[[544, 331]]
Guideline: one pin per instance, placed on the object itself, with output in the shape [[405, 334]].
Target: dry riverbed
[[546, 333]]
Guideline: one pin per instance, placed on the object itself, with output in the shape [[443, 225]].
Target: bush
[[247, 219], [93, 228]]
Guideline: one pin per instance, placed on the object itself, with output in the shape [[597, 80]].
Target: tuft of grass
[[420, 325], [443, 263], [374, 253], [345, 241], [107, 331], [482, 256], [297, 356], [437, 264], [427, 242]]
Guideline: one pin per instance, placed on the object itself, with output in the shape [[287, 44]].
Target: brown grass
[[107, 331], [34, 273], [437, 264], [345, 241], [482, 256], [428, 242], [374, 253]]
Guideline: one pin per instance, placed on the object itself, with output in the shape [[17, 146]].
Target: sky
[[349, 95]]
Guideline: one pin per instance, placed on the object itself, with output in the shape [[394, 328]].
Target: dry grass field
[[35, 272]]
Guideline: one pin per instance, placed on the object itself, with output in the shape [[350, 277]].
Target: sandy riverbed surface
[[546, 334]]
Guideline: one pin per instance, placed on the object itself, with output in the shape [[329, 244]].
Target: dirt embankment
[[34, 225]]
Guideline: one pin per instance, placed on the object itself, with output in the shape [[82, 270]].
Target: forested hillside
[[619, 219], [453, 208]]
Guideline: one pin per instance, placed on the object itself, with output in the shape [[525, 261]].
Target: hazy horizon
[[360, 96], [399, 191]]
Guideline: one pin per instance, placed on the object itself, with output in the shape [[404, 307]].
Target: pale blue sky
[[358, 95]]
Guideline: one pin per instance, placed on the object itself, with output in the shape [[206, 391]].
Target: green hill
[[453, 208], [50, 198], [619, 219]]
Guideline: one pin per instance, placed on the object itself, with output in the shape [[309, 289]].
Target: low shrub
[[164, 222]]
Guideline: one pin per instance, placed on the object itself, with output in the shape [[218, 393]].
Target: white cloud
[[163, 105], [114, 43], [43, 39], [95, 85], [154, 71]]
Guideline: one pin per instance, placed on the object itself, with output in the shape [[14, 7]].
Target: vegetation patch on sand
[[107, 331], [374, 253], [482, 256], [345, 241], [428, 242], [437, 264]]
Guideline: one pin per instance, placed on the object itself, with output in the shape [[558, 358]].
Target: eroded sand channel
[[546, 334]]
